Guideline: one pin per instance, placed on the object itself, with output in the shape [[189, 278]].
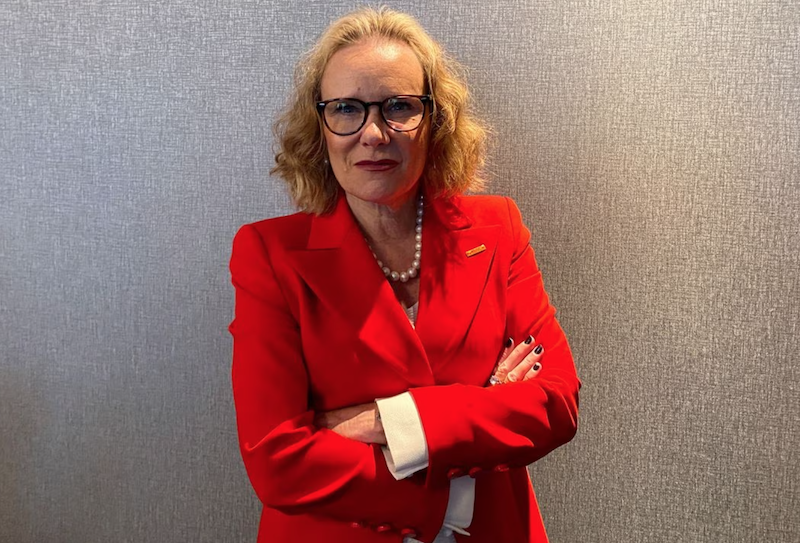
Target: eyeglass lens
[[348, 116]]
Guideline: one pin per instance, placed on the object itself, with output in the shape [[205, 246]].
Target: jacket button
[[408, 532], [455, 472], [500, 468], [384, 528], [357, 524], [474, 471]]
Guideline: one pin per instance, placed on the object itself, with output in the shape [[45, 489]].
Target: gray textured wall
[[653, 146]]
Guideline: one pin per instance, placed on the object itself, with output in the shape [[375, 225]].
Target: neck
[[385, 222]]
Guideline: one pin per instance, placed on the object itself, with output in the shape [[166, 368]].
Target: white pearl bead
[[417, 255], [404, 277], [395, 276], [418, 237], [418, 229], [418, 246], [412, 272], [416, 264], [387, 271]]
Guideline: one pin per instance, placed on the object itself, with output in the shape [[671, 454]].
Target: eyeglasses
[[346, 116]]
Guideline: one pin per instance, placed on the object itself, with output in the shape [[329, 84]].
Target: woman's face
[[376, 164]]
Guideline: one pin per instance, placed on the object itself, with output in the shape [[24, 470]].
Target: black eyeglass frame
[[424, 98]]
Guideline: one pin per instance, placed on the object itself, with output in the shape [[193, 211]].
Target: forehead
[[372, 70]]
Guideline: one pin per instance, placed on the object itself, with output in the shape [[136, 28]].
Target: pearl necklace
[[413, 270]]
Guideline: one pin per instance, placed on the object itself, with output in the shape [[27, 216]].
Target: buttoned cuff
[[406, 451]]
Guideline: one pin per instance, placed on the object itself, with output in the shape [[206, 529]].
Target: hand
[[518, 364], [358, 422]]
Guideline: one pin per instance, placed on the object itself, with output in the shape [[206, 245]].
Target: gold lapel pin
[[479, 249]]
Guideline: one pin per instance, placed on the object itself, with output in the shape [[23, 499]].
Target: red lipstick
[[377, 165]]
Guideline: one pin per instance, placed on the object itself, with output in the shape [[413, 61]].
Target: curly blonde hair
[[457, 150]]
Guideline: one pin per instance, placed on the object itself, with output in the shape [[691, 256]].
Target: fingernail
[[512, 378], [536, 366], [509, 342], [529, 340], [538, 349]]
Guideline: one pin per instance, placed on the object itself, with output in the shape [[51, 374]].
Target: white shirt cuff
[[406, 451]]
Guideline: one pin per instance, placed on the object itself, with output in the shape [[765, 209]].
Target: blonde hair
[[457, 150]]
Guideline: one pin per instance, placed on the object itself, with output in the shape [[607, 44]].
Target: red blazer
[[317, 327]]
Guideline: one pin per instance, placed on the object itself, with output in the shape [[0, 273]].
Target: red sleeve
[[511, 425], [294, 466]]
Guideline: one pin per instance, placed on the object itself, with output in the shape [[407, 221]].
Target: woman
[[370, 402]]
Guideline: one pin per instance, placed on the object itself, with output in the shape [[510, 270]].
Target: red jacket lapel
[[339, 268], [456, 258]]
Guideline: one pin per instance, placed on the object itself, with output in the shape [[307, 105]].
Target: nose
[[375, 131]]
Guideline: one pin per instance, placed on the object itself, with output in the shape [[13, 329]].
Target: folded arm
[[471, 428], [463, 428]]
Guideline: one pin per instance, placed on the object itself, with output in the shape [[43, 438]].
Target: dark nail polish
[[509, 343], [536, 366], [529, 340], [538, 349]]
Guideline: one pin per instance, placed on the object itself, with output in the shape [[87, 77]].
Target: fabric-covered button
[[357, 524], [455, 472], [384, 528], [408, 532], [474, 471], [501, 467]]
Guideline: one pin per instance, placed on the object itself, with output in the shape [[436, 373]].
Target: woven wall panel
[[653, 147]]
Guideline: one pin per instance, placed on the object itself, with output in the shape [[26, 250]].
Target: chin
[[381, 191]]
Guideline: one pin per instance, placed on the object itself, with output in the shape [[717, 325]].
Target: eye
[[400, 105], [345, 108]]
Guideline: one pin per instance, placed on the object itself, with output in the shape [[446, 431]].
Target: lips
[[377, 165]]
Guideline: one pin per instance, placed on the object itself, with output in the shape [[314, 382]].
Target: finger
[[501, 370], [507, 348], [534, 371], [526, 365], [517, 356]]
